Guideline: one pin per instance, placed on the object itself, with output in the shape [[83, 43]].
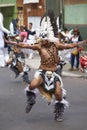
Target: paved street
[[12, 104]]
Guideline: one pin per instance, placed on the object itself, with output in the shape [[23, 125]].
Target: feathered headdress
[[48, 26]]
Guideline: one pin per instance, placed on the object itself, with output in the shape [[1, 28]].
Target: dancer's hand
[[86, 40]]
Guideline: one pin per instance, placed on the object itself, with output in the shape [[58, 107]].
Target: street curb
[[67, 74]]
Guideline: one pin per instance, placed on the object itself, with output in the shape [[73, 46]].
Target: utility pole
[[62, 12], [53, 5], [58, 7]]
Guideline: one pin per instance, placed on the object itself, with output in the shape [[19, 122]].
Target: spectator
[[2, 43], [23, 34], [23, 38], [13, 29], [75, 52], [17, 30], [13, 26], [31, 39], [67, 34]]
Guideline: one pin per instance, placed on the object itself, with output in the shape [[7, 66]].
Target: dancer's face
[[45, 42]]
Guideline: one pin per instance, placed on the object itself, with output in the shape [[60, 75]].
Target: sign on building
[[30, 1]]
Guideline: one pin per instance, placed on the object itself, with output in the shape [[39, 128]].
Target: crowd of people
[[19, 33], [24, 34]]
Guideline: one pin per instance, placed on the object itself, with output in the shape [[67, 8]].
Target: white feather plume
[[47, 29]]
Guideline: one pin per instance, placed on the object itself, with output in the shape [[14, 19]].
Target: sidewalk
[[35, 62]]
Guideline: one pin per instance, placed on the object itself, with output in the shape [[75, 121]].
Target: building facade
[[9, 11], [75, 15], [22, 9], [73, 12], [27, 10]]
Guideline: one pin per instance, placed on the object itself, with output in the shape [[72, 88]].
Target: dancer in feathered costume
[[46, 79]]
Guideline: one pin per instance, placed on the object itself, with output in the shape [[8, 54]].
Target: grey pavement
[[35, 62]]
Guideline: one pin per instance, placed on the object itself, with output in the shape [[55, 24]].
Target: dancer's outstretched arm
[[24, 45], [34, 46], [70, 45]]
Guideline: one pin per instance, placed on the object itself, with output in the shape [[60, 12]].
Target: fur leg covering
[[31, 99], [59, 108], [58, 111]]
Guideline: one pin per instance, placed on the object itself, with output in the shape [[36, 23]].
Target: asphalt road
[[13, 100]]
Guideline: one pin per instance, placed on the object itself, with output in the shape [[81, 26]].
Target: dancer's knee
[[34, 84]]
